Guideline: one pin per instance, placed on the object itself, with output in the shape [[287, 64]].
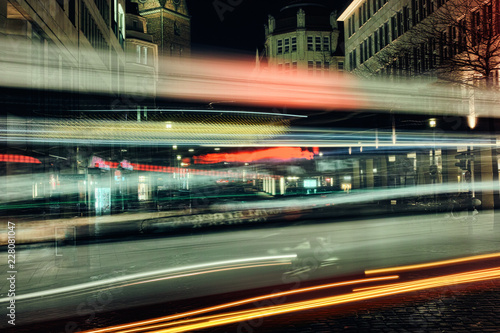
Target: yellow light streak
[[242, 302], [387, 290], [432, 264]]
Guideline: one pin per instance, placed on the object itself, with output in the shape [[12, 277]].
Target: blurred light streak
[[244, 301], [228, 134], [471, 276], [358, 196], [207, 79], [18, 159], [198, 111], [385, 290], [432, 264], [204, 272], [126, 278], [279, 154]]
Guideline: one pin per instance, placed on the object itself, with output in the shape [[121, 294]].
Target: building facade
[[141, 60], [170, 24], [304, 36], [442, 41], [433, 38]]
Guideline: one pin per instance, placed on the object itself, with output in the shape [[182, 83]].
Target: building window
[[310, 46], [310, 66], [294, 67], [327, 67], [326, 43], [287, 68], [287, 45], [138, 54], [340, 65], [145, 55], [280, 67], [394, 27], [370, 48], [386, 28], [318, 67], [294, 44], [280, 46], [318, 43]]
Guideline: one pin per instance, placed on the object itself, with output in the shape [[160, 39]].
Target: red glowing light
[[18, 159], [280, 154]]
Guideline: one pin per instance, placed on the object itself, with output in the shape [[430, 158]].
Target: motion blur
[[134, 178]]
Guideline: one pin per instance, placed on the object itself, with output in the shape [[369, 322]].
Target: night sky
[[236, 28]]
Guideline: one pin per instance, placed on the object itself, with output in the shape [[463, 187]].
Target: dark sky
[[233, 28]]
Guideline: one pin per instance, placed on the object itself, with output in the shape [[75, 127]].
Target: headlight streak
[[386, 290], [127, 278], [242, 302]]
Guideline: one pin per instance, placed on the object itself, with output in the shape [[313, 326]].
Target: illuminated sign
[[310, 183]]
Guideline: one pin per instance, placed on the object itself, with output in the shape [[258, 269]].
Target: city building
[[170, 24], [63, 42], [304, 35], [141, 60], [453, 42]]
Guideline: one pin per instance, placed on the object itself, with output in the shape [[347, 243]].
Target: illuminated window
[[138, 54], [143, 188], [145, 55]]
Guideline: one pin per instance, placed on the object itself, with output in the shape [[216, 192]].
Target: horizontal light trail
[[251, 134], [358, 196], [242, 302], [255, 113], [432, 264], [385, 290], [231, 268], [208, 79], [127, 278]]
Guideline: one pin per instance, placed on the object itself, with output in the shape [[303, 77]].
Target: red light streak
[[279, 153], [11, 158]]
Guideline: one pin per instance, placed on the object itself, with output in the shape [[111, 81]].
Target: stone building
[[170, 24], [304, 35], [67, 46], [418, 39], [141, 60]]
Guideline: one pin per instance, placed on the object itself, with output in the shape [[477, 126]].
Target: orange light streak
[[387, 290], [432, 264], [242, 302]]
